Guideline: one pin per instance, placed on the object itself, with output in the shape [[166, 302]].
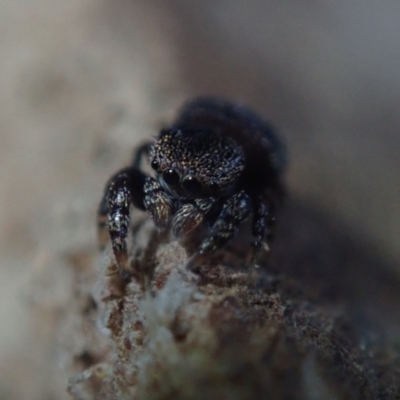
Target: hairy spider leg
[[124, 188], [234, 212], [141, 152], [263, 221], [102, 212]]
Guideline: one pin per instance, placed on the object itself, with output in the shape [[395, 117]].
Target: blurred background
[[82, 82]]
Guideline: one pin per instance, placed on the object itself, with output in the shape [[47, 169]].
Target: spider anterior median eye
[[171, 177], [192, 185], [155, 164]]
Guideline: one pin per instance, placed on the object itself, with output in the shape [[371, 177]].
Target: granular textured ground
[[230, 333]]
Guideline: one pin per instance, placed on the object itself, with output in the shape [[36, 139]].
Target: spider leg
[[263, 221], [124, 188], [190, 215], [102, 213], [142, 151], [234, 212]]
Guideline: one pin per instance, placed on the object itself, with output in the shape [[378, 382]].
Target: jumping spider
[[215, 165]]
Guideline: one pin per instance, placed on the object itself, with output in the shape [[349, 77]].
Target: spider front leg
[[124, 188], [141, 152], [263, 221], [234, 212]]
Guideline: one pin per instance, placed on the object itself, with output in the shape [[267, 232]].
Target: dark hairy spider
[[215, 166]]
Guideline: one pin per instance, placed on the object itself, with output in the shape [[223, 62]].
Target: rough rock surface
[[224, 331]]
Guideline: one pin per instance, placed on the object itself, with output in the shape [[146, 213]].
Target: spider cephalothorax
[[217, 164], [196, 163]]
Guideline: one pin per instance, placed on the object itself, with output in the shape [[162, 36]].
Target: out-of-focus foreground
[[83, 81]]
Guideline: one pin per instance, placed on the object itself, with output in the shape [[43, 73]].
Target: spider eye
[[192, 185], [155, 164], [214, 186], [171, 177]]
